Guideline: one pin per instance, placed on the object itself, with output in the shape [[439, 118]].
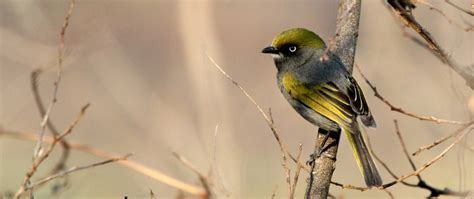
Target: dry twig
[[268, 119], [62, 34], [434, 192], [74, 169], [439, 141], [466, 29], [297, 172], [132, 165], [402, 111], [460, 8], [43, 156]]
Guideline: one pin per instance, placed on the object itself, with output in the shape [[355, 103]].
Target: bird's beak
[[270, 50]]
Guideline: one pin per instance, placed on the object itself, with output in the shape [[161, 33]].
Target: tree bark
[[345, 43]]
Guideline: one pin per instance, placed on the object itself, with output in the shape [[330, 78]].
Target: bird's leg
[[323, 143], [319, 151]]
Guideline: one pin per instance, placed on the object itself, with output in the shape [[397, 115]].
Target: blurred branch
[[460, 8], [43, 156], [204, 181], [405, 14], [72, 170], [466, 29], [132, 165], [344, 46], [402, 111]]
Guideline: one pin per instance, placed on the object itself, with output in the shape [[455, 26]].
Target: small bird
[[323, 91]]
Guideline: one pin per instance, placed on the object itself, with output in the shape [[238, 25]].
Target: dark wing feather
[[358, 102]]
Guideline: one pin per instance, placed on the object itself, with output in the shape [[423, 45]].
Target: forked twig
[[439, 141], [43, 156], [62, 34]]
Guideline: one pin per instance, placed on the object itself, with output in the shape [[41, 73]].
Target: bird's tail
[[364, 159]]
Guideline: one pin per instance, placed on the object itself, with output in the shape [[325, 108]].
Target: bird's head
[[293, 47]]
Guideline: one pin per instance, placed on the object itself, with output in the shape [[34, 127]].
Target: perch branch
[[344, 46]]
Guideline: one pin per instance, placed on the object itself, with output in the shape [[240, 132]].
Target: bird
[[318, 86]]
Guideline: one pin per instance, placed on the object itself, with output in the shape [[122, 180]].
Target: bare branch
[[268, 120], [132, 165], [466, 72], [432, 161], [437, 142], [405, 150], [345, 42], [460, 8], [402, 111], [72, 170], [297, 172], [62, 34], [466, 29], [37, 161]]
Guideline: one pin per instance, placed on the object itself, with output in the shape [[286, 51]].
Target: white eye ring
[[292, 49]]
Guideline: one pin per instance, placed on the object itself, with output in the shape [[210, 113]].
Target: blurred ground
[[143, 66]]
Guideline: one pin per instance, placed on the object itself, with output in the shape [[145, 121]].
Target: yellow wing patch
[[325, 100]]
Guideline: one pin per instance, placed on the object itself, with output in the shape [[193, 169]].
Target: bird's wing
[[358, 102], [326, 99]]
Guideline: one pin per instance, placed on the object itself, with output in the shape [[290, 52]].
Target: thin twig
[[402, 111], [74, 169], [434, 191], [132, 165], [429, 163], [460, 8], [62, 34], [218, 182], [268, 120], [297, 172], [439, 141], [204, 181], [404, 147], [37, 161], [395, 176], [466, 29]]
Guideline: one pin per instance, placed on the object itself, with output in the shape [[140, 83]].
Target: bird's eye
[[292, 49]]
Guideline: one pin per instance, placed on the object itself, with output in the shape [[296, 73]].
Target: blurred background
[[143, 67]]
